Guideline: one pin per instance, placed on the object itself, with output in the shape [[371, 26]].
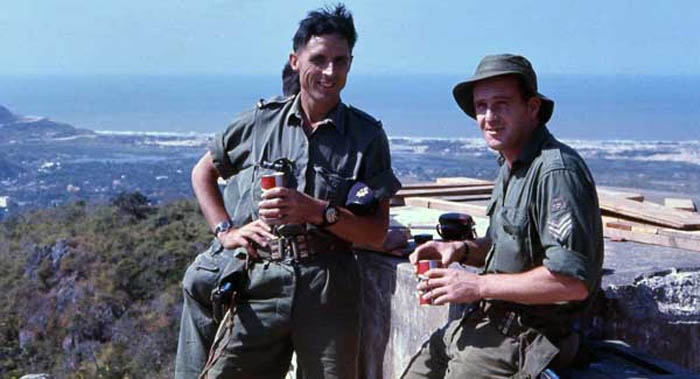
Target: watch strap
[[325, 221], [223, 226], [463, 260]]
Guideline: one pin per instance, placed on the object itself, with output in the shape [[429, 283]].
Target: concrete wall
[[394, 324]]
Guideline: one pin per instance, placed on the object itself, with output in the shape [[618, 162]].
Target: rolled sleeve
[[567, 262], [230, 149], [568, 219], [377, 172]]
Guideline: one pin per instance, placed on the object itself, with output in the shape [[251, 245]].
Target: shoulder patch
[[273, 102], [365, 116], [557, 204]]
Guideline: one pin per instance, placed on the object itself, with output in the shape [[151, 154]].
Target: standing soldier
[[198, 326], [300, 291], [543, 253]]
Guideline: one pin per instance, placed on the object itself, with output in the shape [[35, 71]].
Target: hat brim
[[463, 94]]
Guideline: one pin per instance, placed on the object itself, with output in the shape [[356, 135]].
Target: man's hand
[[289, 206], [446, 285], [256, 231], [447, 252]]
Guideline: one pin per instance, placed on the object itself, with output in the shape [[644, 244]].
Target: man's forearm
[[537, 286], [363, 230], [206, 190]]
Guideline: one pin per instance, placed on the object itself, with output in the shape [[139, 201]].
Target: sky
[[403, 37]]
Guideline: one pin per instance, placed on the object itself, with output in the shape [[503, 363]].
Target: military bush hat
[[498, 65]]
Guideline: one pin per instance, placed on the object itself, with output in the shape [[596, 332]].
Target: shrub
[[102, 296]]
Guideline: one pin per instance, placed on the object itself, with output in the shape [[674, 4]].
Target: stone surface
[[625, 261], [659, 314]]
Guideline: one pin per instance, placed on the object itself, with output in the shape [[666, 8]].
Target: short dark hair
[[327, 20], [290, 81]]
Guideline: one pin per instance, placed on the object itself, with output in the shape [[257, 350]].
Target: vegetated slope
[[92, 291]]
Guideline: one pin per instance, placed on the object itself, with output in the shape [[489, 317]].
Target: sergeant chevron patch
[[561, 228]]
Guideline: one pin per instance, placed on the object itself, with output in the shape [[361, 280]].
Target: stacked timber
[[626, 216]]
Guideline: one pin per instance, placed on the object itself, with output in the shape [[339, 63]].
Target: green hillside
[[94, 291]]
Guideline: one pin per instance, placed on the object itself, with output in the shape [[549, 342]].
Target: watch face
[[222, 227], [331, 215]]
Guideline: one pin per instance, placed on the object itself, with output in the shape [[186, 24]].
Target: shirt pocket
[[513, 253], [331, 186]]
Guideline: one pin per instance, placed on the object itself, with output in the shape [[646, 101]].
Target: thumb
[[446, 260]]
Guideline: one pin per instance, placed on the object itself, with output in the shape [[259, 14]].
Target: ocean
[[638, 132], [595, 108]]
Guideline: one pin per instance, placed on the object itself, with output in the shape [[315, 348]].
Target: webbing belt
[[299, 247]]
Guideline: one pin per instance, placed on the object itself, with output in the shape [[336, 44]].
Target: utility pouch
[[223, 296], [221, 299], [536, 356]]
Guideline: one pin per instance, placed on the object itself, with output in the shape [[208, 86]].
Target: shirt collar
[[336, 117], [532, 146]]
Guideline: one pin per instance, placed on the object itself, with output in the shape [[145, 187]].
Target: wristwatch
[[463, 260], [330, 215], [223, 226]]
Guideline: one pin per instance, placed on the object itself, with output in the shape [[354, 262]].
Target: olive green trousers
[[474, 348], [197, 326], [310, 307]]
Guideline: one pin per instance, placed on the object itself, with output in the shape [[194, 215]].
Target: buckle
[[292, 248], [299, 246], [507, 323]]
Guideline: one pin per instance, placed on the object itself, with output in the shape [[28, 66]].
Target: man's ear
[[294, 61], [533, 107]]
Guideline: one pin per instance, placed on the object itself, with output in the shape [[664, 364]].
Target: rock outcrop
[[6, 116], [660, 313], [23, 128]]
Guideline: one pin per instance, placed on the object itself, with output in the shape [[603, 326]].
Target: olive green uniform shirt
[[544, 211], [310, 306], [347, 147]]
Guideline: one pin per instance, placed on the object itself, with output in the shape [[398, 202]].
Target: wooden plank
[[677, 241], [627, 195], [635, 226], [619, 225], [649, 212], [461, 198], [462, 180], [626, 230], [454, 191], [430, 185], [450, 206], [678, 203]]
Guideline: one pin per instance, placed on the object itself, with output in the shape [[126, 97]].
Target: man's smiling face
[[505, 118], [323, 65]]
